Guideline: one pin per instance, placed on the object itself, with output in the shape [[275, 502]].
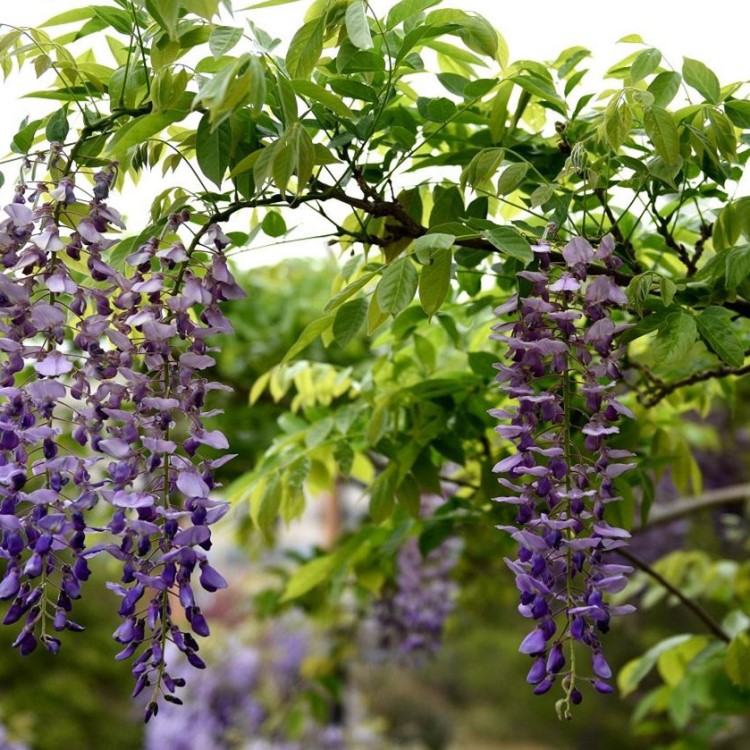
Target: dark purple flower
[[561, 364], [123, 351]]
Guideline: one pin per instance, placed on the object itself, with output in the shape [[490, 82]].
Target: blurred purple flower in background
[[410, 617], [6, 744], [240, 701]]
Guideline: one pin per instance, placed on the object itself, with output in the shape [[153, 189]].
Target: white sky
[[715, 32]]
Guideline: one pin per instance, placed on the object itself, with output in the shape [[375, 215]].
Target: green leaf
[[273, 224], [303, 151], [721, 133], [511, 177], [350, 317], [439, 109], [409, 496], [246, 163], [638, 290], [737, 266], [375, 316], [479, 87], [541, 195], [42, 63], [406, 9], [425, 245], [617, 121], [288, 101], [481, 169], [71, 16], [305, 49], [662, 131], [738, 112], [311, 574], [382, 498], [165, 13], [668, 289], [435, 280], [542, 88], [206, 9], [510, 242], [477, 34], [636, 670], [317, 93], [644, 64], [664, 87], [57, 126], [675, 338], [737, 663], [308, 335], [397, 287], [353, 89], [360, 61], [237, 82], [702, 79], [716, 330], [168, 89], [265, 509], [23, 140], [318, 432], [349, 290], [213, 148], [118, 19], [357, 27], [223, 39], [139, 130], [292, 500], [259, 386], [453, 82], [673, 663]]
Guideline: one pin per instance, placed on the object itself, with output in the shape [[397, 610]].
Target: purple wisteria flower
[[103, 393], [7, 744], [235, 703], [411, 616], [561, 370]]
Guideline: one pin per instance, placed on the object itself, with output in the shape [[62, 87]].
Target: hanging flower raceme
[[562, 371], [102, 409], [410, 618]]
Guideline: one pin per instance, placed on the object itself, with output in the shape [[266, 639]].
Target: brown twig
[[663, 389], [689, 603]]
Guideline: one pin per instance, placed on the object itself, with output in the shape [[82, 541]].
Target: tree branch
[[664, 389], [734, 495], [692, 605]]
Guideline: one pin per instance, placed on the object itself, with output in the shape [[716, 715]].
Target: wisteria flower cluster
[[7, 744], [410, 618], [562, 372], [102, 407], [233, 703]]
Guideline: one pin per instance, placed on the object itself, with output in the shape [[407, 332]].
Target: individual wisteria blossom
[[561, 370], [103, 399], [410, 617], [234, 703], [6, 744]]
